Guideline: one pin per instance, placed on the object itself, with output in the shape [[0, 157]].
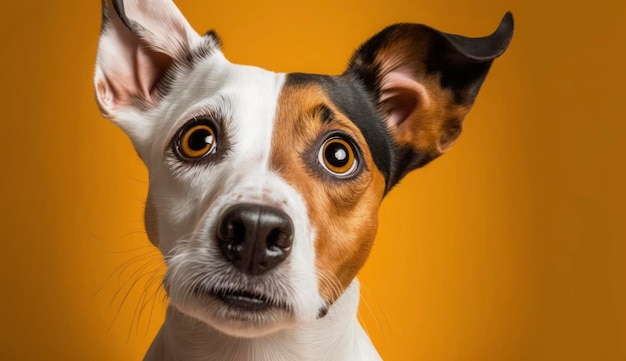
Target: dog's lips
[[244, 300], [240, 299]]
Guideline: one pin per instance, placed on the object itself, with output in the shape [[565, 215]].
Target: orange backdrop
[[510, 247]]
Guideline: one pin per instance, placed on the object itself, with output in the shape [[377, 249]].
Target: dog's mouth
[[241, 300], [244, 300]]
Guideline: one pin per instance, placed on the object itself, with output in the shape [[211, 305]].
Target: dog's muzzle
[[255, 238]]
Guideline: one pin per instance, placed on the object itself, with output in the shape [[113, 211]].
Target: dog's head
[[264, 187]]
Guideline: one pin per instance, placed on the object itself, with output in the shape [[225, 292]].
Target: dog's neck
[[338, 336]]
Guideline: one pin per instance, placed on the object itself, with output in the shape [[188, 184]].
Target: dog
[[264, 187]]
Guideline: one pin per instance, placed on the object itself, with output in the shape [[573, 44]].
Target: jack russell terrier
[[264, 187]]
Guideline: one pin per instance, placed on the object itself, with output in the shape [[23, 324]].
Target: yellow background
[[510, 247]]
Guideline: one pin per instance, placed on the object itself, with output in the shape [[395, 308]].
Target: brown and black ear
[[425, 81]]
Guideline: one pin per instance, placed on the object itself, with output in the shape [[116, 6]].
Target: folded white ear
[[140, 39]]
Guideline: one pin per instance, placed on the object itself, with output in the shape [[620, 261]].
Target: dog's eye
[[196, 140], [337, 156]]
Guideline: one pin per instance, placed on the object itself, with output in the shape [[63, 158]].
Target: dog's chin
[[239, 314]]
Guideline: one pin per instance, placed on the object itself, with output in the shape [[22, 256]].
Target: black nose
[[255, 238]]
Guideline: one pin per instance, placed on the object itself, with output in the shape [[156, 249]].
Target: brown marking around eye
[[343, 212]]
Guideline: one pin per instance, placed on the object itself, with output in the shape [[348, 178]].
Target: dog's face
[[264, 187]]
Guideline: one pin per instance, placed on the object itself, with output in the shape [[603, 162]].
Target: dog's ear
[[139, 40], [425, 82]]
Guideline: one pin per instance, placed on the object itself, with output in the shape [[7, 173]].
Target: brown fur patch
[[436, 120], [343, 212], [434, 125]]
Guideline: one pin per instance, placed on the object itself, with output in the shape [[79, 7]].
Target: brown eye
[[197, 140], [338, 157]]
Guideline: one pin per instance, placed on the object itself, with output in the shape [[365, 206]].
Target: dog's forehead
[[356, 105], [213, 85]]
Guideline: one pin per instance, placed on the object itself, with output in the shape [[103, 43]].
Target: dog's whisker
[[134, 275], [375, 315], [146, 249], [130, 234], [159, 290], [333, 281], [155, 278], [155, 299], [129, 284], [119, 271], [123, 301], [371, 311]]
